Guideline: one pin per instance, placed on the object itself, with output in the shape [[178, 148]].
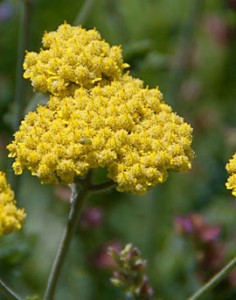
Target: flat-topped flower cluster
[[97, 116], [11, 218]]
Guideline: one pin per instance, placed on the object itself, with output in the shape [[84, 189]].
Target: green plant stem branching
[[79, 193], [103, 187], [214, 280], [7, 292], [84, 12]]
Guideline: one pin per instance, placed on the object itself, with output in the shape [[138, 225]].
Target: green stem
[[78, 198], [214, 281], [20, 88], [184, 49], [23, 42], [7, 292], [117, 21], [79, 193], [102, 187], [84, 12]]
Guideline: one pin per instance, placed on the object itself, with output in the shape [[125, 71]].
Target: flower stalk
[[79, 193], [78, 198], [23, 44], [20, 88], [84, 12], [184, 48], [7, 292], [214, 280]]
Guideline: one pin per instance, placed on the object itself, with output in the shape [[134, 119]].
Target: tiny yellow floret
[[11, 218]]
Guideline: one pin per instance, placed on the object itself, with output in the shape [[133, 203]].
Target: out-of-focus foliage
[[188, 49]]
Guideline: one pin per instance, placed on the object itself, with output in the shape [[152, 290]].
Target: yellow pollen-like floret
[[11, 218]]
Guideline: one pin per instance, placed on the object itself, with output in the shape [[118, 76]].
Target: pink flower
[[91, 218]]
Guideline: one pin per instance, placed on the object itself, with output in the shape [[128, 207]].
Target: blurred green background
[[188, 49]]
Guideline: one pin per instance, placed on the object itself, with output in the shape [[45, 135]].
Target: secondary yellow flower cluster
[[231, 168], [73, 57], [98, 117], [11, 218]]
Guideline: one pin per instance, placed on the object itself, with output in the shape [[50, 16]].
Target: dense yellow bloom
[[11, 218], [96, 117], [231, 168], [121, 126], [73, 57]]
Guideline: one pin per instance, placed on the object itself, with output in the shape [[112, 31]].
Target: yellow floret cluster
[[73, 57], [110, 119], [11, 218], [231, 168]]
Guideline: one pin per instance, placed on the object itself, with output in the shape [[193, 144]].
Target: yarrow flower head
[[11, 218], [231, 168], [73, 57], [117, 123]]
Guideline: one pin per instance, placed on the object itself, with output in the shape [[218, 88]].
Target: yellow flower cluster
[[231, 168], [11, 218], [109, 120], [73, 57]]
